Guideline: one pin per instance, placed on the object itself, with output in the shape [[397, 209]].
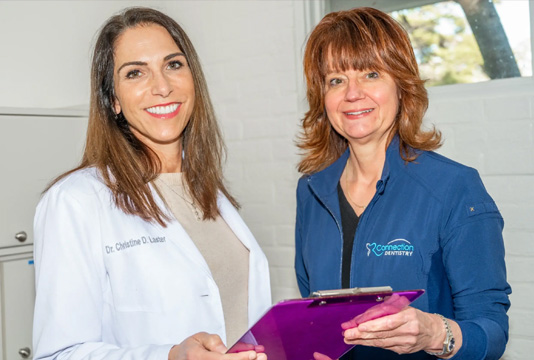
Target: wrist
[[445, 341]]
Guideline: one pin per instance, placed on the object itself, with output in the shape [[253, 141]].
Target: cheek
[[330, 103], [388, 100]]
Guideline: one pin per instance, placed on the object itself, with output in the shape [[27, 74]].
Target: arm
[[70, 277], [474, 260], [300, 268]]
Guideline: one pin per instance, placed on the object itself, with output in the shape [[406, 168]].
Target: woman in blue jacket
[[376, 206]]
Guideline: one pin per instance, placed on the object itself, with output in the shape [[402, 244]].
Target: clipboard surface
[[295, 329]]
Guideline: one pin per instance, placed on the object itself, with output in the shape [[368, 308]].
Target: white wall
[[251, 55], [490, 126]]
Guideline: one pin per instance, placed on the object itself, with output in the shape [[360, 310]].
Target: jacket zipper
[[337, 224]]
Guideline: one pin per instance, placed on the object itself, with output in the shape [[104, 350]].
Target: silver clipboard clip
[[352, 291]]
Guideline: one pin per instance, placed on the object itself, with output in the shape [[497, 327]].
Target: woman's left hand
[[405, 332]]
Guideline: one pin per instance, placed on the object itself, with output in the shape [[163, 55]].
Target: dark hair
[[125, 163], [362, 39]]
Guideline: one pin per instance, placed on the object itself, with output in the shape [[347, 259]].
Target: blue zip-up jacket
[[431, 225]]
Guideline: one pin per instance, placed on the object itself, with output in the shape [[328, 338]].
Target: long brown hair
[[126, 165], [362, 39]]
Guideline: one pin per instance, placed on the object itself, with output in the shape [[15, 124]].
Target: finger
[[241, 346], [378, 329], [319, 356], [385, 323], [400, 345], [211, 342], [376, 342], [393, 305], [259, 348], [245, 355]]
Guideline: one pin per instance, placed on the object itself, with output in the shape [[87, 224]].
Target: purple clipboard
[[295, 329]]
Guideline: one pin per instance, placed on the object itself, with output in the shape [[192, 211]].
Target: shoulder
[[303, 188], [457, 187], [82, 186], [443, 176], [80, 180], [324, 182]]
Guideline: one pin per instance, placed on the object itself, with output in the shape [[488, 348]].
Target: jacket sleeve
[[300, 268], [473, 256], [70, 277]]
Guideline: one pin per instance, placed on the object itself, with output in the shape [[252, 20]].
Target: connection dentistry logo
[[397, 247]]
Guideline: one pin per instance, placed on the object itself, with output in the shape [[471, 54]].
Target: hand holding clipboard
[[296, 329]]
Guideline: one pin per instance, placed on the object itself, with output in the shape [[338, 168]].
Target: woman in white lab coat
[[140, 252]]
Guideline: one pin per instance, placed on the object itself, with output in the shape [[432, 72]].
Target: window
[[462, 41]]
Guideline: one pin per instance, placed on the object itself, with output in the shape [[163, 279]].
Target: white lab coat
[[110, 285]]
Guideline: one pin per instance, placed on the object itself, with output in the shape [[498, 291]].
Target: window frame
[[322, 7]]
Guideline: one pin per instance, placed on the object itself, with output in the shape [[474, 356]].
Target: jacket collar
[[324, 183]]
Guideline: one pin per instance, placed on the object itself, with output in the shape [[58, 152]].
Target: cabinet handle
[[21, 236], [25, 352]]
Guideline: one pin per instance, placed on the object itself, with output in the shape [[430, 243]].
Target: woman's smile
[[164, 111], [358, 113]]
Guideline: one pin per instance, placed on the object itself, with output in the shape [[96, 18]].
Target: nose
[[161, 85], [353, 91]]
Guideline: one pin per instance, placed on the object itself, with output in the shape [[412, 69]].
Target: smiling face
[[361, 105], [154, 87]]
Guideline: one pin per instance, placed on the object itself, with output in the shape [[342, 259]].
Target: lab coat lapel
[[259, 284], [235, 222]]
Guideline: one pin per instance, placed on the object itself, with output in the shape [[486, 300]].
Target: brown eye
[[133, 74], [175, 65], [373, 75], [334, 82]]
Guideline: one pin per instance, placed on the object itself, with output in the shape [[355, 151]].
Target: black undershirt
[[349, 223]]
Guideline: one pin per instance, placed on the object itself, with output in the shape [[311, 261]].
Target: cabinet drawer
[[33, 150]]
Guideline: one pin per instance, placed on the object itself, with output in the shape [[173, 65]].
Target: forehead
[[144, 41], [347, 57]]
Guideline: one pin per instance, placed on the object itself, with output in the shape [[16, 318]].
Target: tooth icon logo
[[397, 247]]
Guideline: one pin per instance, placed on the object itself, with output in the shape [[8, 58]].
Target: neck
[[171, 159], [366, 162]]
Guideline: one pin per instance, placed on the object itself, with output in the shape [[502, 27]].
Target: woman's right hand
[[204, 346]]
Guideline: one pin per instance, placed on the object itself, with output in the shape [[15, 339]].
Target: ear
[[117, 106]]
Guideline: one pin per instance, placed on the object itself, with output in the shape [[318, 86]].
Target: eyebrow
[[142, 63]]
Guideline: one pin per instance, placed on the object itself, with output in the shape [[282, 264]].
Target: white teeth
[[160, 110], [359, 112]]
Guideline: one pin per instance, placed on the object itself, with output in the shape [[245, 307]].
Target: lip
[[165, 115], [357, 114]]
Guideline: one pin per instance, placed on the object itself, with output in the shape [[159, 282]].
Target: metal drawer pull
[[21, 236], [25, 352]]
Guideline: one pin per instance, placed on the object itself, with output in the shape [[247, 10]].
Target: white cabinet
[[36, 145], [17, 295]]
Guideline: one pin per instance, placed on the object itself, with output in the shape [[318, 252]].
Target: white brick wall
[[490, 126]]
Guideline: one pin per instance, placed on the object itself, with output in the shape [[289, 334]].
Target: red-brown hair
[[361, 39]]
